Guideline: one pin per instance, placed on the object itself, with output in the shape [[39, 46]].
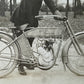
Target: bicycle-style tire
[[75, 62], [8, 55]]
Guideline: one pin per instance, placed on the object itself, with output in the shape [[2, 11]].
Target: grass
[[77, 23]]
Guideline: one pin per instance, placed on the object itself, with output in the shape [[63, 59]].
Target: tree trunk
[[11, 9], [56, 1], [2, 7], [67, 8], [14, 4], [74, 4], [79, 7]]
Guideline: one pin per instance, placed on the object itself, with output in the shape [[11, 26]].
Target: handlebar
[[56, 17]]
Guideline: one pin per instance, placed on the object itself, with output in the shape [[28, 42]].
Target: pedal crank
[[30, 63]]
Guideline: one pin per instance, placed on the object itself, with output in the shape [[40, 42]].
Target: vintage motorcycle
[[45, 48]]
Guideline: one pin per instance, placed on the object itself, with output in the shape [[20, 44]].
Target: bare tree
[[2, 7], [79, 7], [67, 8], [14, 4], [56, 2], [11, 8], [74, 7]]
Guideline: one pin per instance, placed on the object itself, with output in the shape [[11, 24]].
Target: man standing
[[25, 14]]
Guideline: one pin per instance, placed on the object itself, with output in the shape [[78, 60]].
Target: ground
[[56, 75]]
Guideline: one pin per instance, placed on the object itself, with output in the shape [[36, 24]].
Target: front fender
[[65, 48]]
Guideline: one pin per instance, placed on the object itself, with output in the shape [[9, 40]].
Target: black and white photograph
[[41, 41]]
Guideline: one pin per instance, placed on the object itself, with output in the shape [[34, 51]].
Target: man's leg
[[21, 66], [21, 69]]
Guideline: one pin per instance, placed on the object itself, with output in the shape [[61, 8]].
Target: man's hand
[[60, 16]]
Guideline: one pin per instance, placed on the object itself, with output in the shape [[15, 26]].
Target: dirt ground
[[56, 75]]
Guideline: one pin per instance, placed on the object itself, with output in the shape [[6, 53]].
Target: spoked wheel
[[44, 54], [8, 54], [75, 60]]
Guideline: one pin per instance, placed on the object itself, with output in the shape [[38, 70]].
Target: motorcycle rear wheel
[[7, 55]]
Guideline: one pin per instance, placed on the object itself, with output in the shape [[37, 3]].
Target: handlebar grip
[[61, 18], [56, 17]]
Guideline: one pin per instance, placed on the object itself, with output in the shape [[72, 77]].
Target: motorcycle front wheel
[[75, 61]]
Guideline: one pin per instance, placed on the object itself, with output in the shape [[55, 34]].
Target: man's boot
[[21, 69]]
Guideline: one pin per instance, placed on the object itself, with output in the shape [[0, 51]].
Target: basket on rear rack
[[45, 32]]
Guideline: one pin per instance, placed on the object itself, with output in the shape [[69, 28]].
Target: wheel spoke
[[4, 69], [76, 60], [8, 54]]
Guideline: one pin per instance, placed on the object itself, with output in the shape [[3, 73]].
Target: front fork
[[73, 38]]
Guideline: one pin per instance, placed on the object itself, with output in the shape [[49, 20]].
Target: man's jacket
[[27, 11]]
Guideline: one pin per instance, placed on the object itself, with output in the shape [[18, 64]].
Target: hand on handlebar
[[59, 16]]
